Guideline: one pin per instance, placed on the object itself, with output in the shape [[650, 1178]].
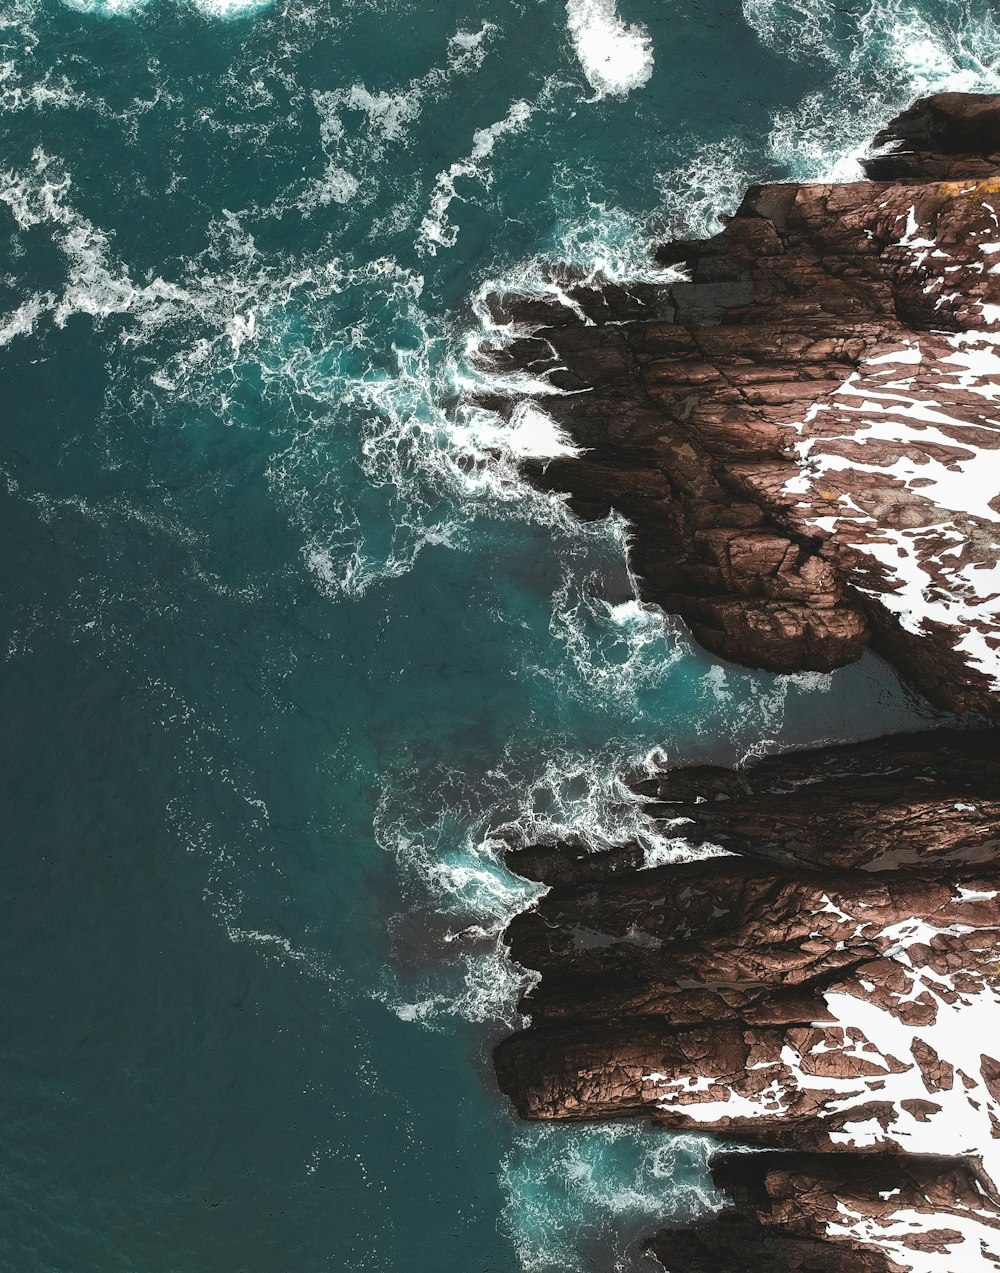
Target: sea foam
[[616, 57], [435, 229], [388, 116], [883, 56], [580, 1198]]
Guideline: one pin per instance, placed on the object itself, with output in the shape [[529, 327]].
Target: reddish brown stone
[[699, 391]]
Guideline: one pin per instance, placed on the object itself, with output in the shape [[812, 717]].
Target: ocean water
[[286, 641]]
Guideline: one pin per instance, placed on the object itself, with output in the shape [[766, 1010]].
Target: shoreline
[[788, 996]]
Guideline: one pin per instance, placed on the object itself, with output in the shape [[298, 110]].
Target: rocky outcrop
[[816, 1213], [909, 799], [833, 988], [801, 423], [802, 428], [949, 137]]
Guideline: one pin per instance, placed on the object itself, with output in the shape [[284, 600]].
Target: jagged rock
[[835, 987], [801, 427], [819, 1213], [948, 137], [783, 1007], [571, 861]]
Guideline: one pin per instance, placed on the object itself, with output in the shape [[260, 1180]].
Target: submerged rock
[[803, 427]]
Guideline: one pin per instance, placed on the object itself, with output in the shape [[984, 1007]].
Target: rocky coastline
[[800, 429], [797, 428]]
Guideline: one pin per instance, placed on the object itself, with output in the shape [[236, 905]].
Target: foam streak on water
[[435, 229], [613, 1183]]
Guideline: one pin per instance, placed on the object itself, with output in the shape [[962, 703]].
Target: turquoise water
[[285, 638]]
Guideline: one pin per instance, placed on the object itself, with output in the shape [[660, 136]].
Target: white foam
[[532, 432], [336, 185], [435, 229], [107, 8], [449, 863], [571, 1189], [698, 194], [620, 650], [353, 157], [226, 10], [616, 57], [50, 92], [98, 285], [884, 55], [603, 242], [452, 856], [450, 851], [222, 10]]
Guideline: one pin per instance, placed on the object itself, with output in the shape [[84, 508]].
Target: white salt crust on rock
[[920, 418]]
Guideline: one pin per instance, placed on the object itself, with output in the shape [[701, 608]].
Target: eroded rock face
[[781, 1006], [803, 428], [816, 1213], [834, 988], [947, 137]]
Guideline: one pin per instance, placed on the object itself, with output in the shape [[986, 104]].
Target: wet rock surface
[[906, 799], [950, 136], [802, 428]]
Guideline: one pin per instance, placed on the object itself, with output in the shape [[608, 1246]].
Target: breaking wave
[[581, 1199], [616, 57], [871, 63], [448, 831], [875, 61]]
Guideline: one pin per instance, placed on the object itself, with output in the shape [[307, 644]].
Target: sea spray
[[582, 1195], [616, 57]]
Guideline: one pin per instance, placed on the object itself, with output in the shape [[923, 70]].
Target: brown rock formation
[[945, 138], [833, 989], [715, 982], [910, 798], [801, 427], [807, 1212]]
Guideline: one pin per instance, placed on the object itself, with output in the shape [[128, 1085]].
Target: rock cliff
[[810, 1212], [800, 428]]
